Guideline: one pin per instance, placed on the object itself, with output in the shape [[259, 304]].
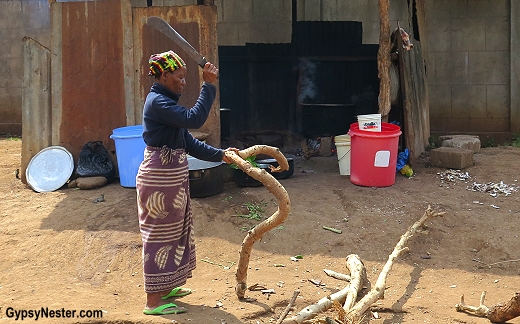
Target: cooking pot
[[244, 180], [206, 178]]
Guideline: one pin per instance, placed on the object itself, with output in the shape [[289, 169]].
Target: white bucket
[[343, 150], [371, 123]]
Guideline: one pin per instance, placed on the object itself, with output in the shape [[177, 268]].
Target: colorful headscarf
[[167, 61]]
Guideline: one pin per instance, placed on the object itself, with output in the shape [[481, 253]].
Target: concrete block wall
[[253, 21], [468, 65], [269, 21], [18, 18]]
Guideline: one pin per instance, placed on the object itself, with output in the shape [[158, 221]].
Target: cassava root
[[278, 217]]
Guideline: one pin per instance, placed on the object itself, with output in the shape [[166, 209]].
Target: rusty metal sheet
[[93, 101]]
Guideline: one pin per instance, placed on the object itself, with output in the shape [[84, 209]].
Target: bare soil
[[62, 250]]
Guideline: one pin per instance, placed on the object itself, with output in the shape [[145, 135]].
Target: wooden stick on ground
[[499, 313], [356, 313], [288, 308], [278, 217]]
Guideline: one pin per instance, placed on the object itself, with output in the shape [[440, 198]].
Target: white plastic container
[[343, 150], [371, 123]]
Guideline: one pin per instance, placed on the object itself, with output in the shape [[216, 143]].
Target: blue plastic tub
[[129, 152]]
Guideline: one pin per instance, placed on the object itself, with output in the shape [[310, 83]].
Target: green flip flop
[[177, 292], [165, 309]]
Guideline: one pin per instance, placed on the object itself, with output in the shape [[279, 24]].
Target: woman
[[163, 198]]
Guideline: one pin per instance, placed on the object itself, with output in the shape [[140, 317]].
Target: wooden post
[[383, 59]]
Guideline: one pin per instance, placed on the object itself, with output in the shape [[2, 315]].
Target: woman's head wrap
[[167, 61]]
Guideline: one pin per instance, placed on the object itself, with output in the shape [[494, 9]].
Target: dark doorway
[[315, 86]]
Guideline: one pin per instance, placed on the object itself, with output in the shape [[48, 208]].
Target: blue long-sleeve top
[[166, 123]]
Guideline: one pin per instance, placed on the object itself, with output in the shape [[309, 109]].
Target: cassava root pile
[[354, 312]]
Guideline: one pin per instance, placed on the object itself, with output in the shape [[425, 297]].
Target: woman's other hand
[[210, 73]]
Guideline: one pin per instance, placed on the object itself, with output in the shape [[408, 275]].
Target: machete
[[166, 29]]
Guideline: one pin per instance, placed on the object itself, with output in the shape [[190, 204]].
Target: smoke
[[307, 86]]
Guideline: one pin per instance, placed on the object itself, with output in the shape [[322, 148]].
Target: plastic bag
[[94, 161], [402, 163]]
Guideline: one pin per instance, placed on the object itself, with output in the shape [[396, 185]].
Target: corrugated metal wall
[[92, 92]]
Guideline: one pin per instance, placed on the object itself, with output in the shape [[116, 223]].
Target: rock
[[90, 182], [72, 184]]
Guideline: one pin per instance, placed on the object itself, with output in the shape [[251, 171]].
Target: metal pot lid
[[196, 164], [49, 169]]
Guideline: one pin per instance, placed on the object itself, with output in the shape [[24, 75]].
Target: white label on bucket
[[382, 159]]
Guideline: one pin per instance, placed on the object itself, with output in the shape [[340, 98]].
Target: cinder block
[[452, 158], [470, 142], [326, 146]]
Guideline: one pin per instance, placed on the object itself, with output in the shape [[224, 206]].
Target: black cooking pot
[[244, 180], [206, 178]]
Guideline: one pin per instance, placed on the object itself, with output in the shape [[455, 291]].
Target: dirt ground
[[62, 250]]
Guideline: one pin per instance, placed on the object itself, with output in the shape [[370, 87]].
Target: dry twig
[[288, 308]]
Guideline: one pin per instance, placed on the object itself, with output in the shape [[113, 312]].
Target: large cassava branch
[[498, 313], [377, 292], [357, 270], [358, 278], [278, 217]]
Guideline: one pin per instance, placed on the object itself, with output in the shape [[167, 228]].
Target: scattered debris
[[332, 229], [297, 257], [495, 263], [494, 189], [232, 263], [268, 292], [317, 283], [256, 287], [454, 175]]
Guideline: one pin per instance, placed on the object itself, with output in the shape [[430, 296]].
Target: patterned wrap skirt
[[165, 218]]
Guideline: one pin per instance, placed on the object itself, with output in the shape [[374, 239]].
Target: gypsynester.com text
[[46, 312]]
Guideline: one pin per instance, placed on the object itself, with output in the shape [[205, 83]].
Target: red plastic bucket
[[373, 155]]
